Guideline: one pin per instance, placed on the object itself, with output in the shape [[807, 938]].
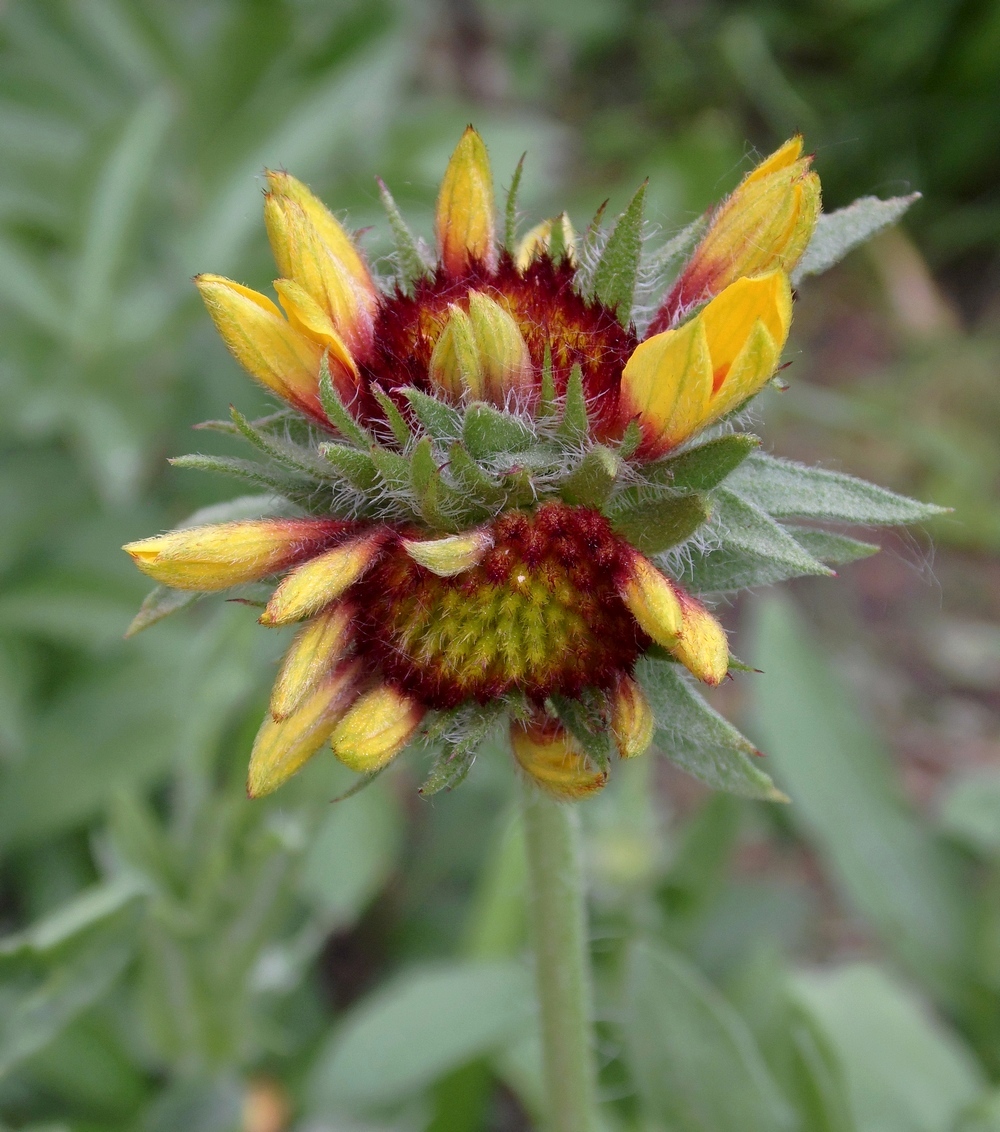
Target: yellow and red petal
[[321, 580], [550, 756], [449, 556], [317, 648], [216, 557], [703, 648], [652, 599], [465, 220], [377, 727], [284, 746], [307, 317], [730, 318], [632, 720]]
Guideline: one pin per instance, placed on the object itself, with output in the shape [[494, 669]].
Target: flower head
[[495, 474]]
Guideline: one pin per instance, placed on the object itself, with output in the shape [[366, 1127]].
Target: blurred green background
[[176, 958]]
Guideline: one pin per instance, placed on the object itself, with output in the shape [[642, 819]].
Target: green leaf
[[585, 723], [830, 548], [422, 1025], [160, 602], [353, 465], [489, 432], [547, 397], [658, 524], [884, 861], [574, 428], [510, 212], [397, 422], [591, 481], [704, 467], [788, 490], [905, 1072], [752, 550], [840, 232], [471, 478], [618, 267], [981, 1116], [698, 739], [62, 965], [970, 810], [337, 413], [695, 1062], [409, 261], [441, 421]]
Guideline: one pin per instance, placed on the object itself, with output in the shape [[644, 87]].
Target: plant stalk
[[562, 961]]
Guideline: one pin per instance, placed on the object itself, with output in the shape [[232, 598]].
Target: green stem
[[562, 963]]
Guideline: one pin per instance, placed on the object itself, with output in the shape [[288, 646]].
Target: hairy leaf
[[658, 524], [831, 548], [704, 467], [840, 232], [441, 421], [592, 480]]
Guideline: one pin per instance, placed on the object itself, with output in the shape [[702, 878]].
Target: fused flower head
[[501, 495]]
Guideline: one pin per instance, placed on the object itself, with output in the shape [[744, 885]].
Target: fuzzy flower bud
[[317, 647], [553, 759], [632, 722], [465, 222], [481, 353], [376, 729]]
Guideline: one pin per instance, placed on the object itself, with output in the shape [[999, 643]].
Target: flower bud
[[553, 759], [283, 746], [321, 580], [703, 648], [632, 721], [230, 554], [652, 600], [376, 729], [465, 222], [765, 224], [555, 236], [452, 555], [314, 652], [481, 353]]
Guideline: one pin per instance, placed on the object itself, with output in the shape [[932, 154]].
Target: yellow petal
[[302, 256], [753, 368], [257, 336], [322, 579], [730, 317], [283, 747], [309, 319], [327, 226], [784, 156], [314, 652], [452, 555], [465, 222], [376, 729], [632, 720], [703, 648], [554, 760], [652, 600], [666, 385], [230, 554]]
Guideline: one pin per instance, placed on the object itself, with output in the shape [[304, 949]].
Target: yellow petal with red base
[[329, 229], [307, 317], [554, 760], [230, 554], [376, 729], [261, 340], [703, 648], [284, 746], [322, 579], [465, 220], [449, 556], [730, 318], [632, 720], [318, 646], [765, 224], [302, 256], [652, 600]]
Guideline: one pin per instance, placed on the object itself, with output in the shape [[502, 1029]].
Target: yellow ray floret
[[632, 722], [464, 222], [703, 648], [322, 579], [221, 555], [679, 381], [283, 746], [318, 647], [554, 760], [653, 602], [307, 317], [376, 729], [452, 555]]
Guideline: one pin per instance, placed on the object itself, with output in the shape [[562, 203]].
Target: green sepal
[[248, 470], [547, 400], [630, 441], [489, 432], [658, 524], [353, 465], [455, 761], [839, 232], [591, 482], [427, 486], [585, 721], [510, 212], [289, 456], [471, 478], [336, 411], [574, 427], [557, 240], [704, 467], [160, 602], [393, 469], [397, 422], [408, 258], [440, 420], [618, 267]]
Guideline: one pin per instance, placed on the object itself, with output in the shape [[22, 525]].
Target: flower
[[487, 461]]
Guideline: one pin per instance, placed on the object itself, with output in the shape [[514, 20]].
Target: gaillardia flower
[[494, 493]]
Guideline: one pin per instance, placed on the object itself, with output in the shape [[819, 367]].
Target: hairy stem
[[561, 961]]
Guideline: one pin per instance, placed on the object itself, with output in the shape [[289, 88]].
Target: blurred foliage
[[176, 958]]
